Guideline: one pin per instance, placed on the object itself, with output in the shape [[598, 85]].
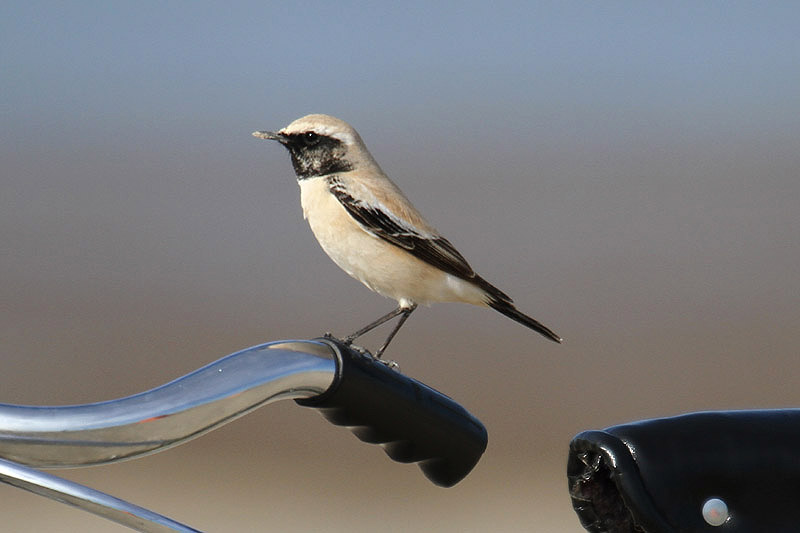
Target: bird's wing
[[379, 219]]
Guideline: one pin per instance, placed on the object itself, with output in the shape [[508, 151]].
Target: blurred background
[[628, 172]]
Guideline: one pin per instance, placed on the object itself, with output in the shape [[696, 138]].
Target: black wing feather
[[437, 252]]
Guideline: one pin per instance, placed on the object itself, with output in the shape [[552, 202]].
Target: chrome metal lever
[[96, 433]]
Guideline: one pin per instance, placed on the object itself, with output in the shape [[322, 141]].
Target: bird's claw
[[348, 341], [392, 365], [361, 350]]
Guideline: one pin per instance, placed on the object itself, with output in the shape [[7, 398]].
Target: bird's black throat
[[316, 156]]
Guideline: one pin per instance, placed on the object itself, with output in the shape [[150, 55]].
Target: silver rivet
[[715, 512]]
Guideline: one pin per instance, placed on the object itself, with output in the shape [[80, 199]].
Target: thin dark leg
[[406, 313], [372, 325]]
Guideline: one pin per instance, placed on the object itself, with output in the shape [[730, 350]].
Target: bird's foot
[[361, 350], [392, 365], [348, 341]]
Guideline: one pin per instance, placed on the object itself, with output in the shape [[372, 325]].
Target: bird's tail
[[500, 301]]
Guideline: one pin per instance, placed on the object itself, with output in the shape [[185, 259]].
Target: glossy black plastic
[[411, 421]]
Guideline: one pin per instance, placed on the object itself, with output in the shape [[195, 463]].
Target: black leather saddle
[[712, 472]]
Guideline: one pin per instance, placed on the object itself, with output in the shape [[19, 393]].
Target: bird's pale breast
[[381, 266]]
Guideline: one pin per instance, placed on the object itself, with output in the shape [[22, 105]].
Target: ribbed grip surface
[[411, 421]]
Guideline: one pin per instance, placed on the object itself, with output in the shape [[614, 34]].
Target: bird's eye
[[310, 138]]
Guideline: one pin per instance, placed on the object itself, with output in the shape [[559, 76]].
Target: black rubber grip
[[413, 422]]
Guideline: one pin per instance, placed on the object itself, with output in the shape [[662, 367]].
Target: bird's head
[[320, 145]]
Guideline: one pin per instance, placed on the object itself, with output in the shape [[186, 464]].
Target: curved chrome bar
[[151, 421], [88, 499]]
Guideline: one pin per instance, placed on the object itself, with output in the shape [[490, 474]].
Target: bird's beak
[[270, 135]]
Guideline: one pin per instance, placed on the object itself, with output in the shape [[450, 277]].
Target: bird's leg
[[372, 325], [401, 310], [406, 313]]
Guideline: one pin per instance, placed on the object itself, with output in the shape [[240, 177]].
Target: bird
[[368, 227]]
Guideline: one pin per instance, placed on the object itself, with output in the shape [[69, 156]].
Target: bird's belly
[[383, 267]]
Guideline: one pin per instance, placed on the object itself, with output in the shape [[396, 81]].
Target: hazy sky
[[629, 172]]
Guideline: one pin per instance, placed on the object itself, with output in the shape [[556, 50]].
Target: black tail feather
[[500, 301], [508, 309]]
